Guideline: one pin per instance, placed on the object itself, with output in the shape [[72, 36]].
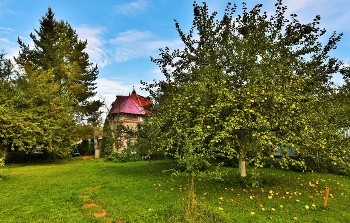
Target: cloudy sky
[[123, 34]]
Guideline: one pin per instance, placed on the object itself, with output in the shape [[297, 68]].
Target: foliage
[[3, 172], [125, 155], [86, 131], [2, 160], [58, 48], [47, 92], [124, 136], [246, 85], [147, 138], [107, 139], [86, 147], [34, 115], [6, 107], [43, 117]]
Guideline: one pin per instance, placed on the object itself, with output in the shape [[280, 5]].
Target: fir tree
[[107, 140], [57, 47]]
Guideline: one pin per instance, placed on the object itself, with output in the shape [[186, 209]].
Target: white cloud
[[156, 74], [95, 47], [133, 44], [107, 90], [3, 8], [5, 40], [132, 8], [7, 45], [11, 49], [300, 5], [110, 86], [334, 14], [5, 30], [131, 36]]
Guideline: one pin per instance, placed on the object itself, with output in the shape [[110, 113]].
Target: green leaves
[[43, 117], [247, 84], [49, 93]]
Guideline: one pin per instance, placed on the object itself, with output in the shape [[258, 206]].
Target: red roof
[[140, 100], [132, 104]]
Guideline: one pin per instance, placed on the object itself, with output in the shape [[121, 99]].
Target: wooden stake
[[326, 198]]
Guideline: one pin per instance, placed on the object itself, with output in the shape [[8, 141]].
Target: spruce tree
[[58, 48]]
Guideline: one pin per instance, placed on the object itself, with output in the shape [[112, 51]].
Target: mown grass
[[131, 192]]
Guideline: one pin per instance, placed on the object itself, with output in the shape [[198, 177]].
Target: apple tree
[[246, 86]]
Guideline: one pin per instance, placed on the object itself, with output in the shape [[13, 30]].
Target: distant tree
[[58, 49], [107, 139], [86, 131], [246, 86]]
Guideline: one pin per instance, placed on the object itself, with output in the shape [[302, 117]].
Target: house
[[128, 112]]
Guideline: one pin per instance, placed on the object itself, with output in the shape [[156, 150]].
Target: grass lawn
[[94, 190]]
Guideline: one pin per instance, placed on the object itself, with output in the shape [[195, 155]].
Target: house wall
[[128, 120]]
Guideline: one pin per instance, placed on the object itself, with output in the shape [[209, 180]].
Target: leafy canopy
[[246, 86]]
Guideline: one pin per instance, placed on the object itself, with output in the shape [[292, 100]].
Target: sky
[[122, 35]]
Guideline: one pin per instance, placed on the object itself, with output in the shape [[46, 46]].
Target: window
[[131, 117]]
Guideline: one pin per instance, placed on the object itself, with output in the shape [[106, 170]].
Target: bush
[[2, 159], [125, 155], [86, 148], [198, 164], [2, 163]]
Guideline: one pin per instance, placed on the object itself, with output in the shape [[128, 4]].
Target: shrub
[[86, 148], [125, 155]]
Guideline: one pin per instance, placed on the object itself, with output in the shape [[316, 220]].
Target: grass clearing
[[94, 190]]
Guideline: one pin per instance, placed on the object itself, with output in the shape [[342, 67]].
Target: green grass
[[130, 192]]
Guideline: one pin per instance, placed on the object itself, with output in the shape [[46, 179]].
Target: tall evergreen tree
[[107, 139], [58, 48]]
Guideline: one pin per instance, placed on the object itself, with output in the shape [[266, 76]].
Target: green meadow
[[95, 190]]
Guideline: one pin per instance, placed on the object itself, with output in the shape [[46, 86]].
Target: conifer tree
[[107, 139], [58, 48]]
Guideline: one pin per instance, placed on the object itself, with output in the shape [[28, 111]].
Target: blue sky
[[123, 34]]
